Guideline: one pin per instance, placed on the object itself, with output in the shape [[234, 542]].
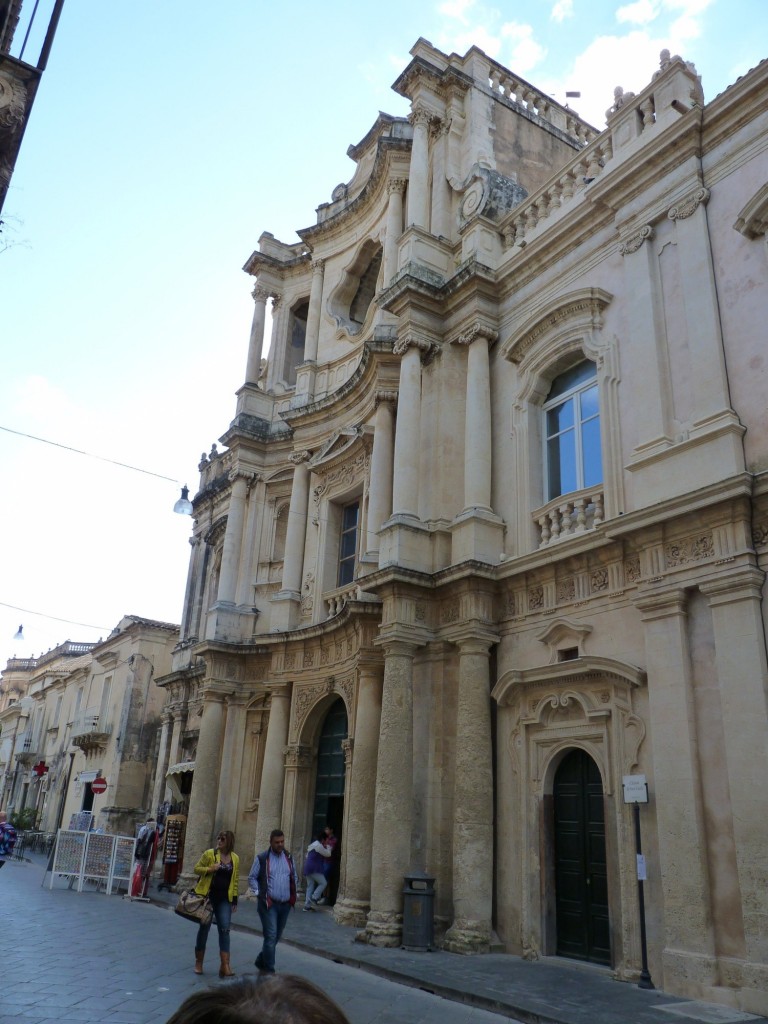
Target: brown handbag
[[194, 907]]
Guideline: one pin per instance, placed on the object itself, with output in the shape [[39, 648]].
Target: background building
[[488, 532]]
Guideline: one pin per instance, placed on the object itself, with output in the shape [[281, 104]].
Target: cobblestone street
[[88, 958]]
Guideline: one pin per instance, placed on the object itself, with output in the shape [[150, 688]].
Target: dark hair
[[274, 999], [275, 834], [320, 835], [229, 838]]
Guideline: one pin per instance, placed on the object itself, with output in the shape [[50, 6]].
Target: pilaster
[[273, 773]]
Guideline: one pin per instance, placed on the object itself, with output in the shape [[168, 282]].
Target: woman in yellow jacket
[[219, 871]]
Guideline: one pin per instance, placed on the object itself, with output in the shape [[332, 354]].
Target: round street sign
[[99, 785]]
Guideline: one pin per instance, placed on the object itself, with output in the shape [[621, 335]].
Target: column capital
[[688, 206], [277, 298], [475, 331], [422, 114], [214, 691], [476, 644], [298, 755], [318, 266], [394, 646], [662, 604], [634, 241], [260, 293], [741, 584], [297, 458], [386, 396], [396, 186], [241, 474], [426, 347]]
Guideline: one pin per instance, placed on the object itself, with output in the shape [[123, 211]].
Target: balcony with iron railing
[[88, 733], [26, 748]]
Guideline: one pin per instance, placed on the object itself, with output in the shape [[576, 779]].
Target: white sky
[[166, 136]]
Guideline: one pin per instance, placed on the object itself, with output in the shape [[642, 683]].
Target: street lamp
[[183, 506]]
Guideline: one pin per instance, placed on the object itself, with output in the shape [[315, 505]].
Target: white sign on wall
[[635, 789]]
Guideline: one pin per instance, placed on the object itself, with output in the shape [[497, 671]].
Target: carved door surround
[[545, 713]]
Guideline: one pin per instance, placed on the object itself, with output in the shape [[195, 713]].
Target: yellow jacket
[[208, 859]]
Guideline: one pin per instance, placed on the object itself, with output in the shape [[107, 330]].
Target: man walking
[[273, 880], [7, 838]]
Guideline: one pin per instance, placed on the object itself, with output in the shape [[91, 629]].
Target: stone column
[[233, 537], [193, 584], [441, 191], [391, 847], [315, 307], [234, 744], [395, 191], [741, 669], [477, 421], [472, 804], [297, 525], [275, 369], [358, 831], [380, 488], [405, 483], [256, 343], [179, 721], [684, 877], [273, 772], [205, 787], [418, 180], [163, 751]]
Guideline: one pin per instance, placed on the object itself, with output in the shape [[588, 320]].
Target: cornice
[[566, 673]]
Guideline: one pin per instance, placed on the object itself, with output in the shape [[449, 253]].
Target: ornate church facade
[[489, 528]]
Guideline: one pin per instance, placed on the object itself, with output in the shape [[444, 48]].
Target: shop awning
[[182, 766]]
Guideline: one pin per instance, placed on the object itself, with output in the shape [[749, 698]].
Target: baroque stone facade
[[489, 528]]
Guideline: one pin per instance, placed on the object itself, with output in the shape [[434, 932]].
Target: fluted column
[[233, 536], [234, 743], [472, 804], [315, 306], [163, 750], [382, 466], [477, 421], [395, 191], [391, 847], [358, 831], [297, 524], [205, 787], [256, 343], [418, 181], [273, 772], [405, 483]]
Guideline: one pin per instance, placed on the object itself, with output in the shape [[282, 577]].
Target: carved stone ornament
[[692, 549], [318, 266], [424, 345], [477, 330], [689, 206], [298, 457], [396, 186], [260, 294], [13, 98], [633, 243]]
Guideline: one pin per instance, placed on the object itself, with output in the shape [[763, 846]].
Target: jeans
[[273, 920], [316, 883], [222, 912]]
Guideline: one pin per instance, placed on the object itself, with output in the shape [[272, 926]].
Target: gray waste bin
[[418, 912]]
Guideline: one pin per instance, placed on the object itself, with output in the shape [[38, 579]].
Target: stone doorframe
[[587, 703], [311, 702]]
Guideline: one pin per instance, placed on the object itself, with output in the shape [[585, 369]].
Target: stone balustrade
[[335, 600], [569, 515], [518, 91]]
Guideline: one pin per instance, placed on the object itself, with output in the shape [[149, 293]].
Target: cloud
[[526, 53], [640, 13], [563, 9], [456, 9]]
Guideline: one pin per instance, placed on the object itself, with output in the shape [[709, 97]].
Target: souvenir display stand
[[173, 849], [92, 857]]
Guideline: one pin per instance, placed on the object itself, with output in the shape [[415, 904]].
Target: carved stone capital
[[396, 186], [277, 298], [318, 266], [298, 457], [633, 242], [426, 347], [241, 474], [476, 331], [386, 396], [260, 293], [421, 114], [689, 205]]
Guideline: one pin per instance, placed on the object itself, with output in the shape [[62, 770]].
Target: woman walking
[[219, 871], [315, 866]]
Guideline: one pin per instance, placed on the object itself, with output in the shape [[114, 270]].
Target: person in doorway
[[273, 881], [219, 871], [332, 867], [268, 1000], [318, 857], [7, 838]]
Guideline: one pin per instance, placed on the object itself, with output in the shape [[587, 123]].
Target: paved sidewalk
[[548, 991]]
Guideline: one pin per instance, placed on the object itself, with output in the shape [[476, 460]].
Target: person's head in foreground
[[275, 999]]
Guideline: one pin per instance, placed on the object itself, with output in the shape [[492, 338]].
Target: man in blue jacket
[[273, 881], [7, 838]]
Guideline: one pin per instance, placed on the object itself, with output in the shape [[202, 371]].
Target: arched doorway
[[581, 880], [329, 784]]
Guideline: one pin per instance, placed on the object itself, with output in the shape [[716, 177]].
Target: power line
[[90, 455], [42, 615]]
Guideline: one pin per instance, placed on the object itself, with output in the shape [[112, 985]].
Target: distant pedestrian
[[219, 871], [273, 880], [7, 838], [315, 865], [332, 869], [270, 1000]]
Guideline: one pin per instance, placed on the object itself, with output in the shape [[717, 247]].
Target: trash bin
[[418, 912]]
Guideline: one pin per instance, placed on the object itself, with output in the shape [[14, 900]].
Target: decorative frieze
[[692, 549], [632, 569]]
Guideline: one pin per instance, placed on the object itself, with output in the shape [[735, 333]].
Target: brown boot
[[225, 971], [199, 954]]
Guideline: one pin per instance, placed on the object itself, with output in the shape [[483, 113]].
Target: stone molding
[[689, 205], [297, 458], [477, 330], [634, 242], [260, 294], [752, 221], [396, 186], [426, 347], [581, 311]]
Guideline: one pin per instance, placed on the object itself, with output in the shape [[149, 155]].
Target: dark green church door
[[581, 880]]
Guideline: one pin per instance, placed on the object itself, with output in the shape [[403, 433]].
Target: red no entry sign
[[99, 785]]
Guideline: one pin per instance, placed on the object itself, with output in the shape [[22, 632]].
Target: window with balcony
[[572, 431]]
